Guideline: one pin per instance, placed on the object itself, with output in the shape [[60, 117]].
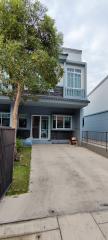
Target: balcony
[[73, 93]]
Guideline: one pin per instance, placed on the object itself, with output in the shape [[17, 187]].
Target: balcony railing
[[73, 93]]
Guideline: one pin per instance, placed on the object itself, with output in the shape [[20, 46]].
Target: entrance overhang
[[58, 103], [46, 101]]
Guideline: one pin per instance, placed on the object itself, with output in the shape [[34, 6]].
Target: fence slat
[[7, 137]]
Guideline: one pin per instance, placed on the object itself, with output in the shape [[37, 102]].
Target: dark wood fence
[[7, 136]]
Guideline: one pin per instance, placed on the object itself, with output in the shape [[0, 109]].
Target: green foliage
[[19, 145], [29, 47]]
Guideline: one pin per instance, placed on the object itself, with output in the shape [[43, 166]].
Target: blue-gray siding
[[96, 122]]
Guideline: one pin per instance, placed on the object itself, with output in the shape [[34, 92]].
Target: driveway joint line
[[28, 234], [59, 228], [27, 220], [99, 227], [102, 223], [53, 216]]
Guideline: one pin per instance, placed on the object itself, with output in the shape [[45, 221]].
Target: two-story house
[[57, 115]]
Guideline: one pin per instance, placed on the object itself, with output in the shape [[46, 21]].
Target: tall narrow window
[[23, 121], [77, 80], [83, 122], [59, 121], [73, 78], [54, 121], [67, 122]]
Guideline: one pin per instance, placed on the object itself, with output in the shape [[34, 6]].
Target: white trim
[[40, 138], [40, 126], [11, 113], [49, 132], [31, 128]]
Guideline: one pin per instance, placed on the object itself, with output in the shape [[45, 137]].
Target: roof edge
[[72, 49], [98, 85]]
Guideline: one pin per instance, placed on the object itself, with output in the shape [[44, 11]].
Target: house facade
[[96, 113], [57, 115]]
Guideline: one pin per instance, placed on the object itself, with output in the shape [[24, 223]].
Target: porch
[[49, 125], [47, 120]]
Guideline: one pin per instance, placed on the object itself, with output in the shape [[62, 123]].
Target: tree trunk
[[15, 109], [15, 116]]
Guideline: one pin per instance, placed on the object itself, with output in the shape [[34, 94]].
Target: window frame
[[74, 71], [83, 122], [64, 116], [2, 115], [22, 116]]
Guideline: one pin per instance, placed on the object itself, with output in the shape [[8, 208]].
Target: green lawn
[[21, 173]]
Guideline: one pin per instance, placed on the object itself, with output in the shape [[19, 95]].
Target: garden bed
[[21, 173]]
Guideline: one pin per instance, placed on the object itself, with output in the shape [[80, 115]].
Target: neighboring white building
[[96, 113]]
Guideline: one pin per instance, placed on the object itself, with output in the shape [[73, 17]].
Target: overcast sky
[[84, 24]]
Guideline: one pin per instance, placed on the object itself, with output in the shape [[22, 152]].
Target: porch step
[[30, 141], [50, 141], [59, 141], [34, 141]]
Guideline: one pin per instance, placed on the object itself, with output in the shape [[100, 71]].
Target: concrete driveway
[[68, 179], [64, 180]]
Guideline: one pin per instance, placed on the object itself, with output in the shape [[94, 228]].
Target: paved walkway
[[70, 227]]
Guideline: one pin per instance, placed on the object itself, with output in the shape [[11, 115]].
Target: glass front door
[[44, 127], [40, 127], [35, 126]]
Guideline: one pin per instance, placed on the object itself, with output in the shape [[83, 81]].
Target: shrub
[[19, 145]]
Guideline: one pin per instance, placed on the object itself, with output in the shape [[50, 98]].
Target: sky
[[84, 25]]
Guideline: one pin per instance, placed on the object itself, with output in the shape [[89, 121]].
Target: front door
[[44, 127], [40, 127], [35, 126]]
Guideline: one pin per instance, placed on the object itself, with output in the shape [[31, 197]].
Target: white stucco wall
[[60, 83], [98, 99], [73, 55]]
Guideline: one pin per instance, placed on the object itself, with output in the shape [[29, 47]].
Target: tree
[[29, 51]]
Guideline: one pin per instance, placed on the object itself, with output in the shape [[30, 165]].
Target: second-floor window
[[74, 78]]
